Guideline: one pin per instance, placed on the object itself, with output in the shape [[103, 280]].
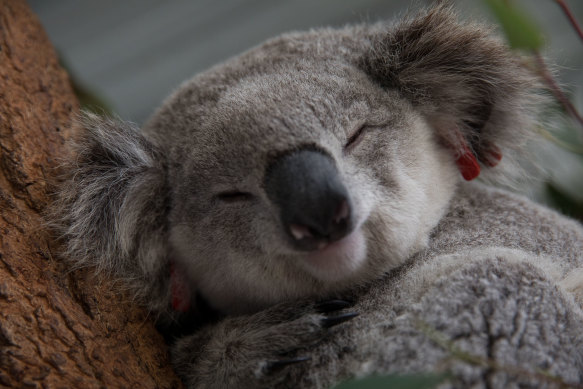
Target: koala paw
[[254, 351]]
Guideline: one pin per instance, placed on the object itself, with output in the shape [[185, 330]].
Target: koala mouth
[[337, 260]]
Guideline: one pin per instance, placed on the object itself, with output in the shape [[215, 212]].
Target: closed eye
[[233, 196], [355, 138]]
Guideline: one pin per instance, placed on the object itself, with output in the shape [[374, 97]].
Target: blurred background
[[129, 55]]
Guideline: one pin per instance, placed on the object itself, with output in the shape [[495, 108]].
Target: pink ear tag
[[179, 290], [466, 161]]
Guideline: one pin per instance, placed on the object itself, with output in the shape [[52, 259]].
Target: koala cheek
[[363, 192], [394, 205]]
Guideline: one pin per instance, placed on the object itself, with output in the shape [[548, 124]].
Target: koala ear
[[471, 88], [111, 208]]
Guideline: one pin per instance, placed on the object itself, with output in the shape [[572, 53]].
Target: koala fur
[[328, 164]]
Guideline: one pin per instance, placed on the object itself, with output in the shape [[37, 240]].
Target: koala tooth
[[335, 320], [300, 232]]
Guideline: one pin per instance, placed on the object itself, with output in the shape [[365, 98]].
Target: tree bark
[[57, 328]]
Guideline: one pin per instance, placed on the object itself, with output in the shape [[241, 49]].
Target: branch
[[571, 18], [555, 88]]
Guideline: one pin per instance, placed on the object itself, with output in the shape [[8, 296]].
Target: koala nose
[[313, 202]]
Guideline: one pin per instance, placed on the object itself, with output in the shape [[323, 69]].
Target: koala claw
[[332, 305], [274, 366], [335, 320]]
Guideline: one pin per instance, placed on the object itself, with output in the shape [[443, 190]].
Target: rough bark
[[57, 328]]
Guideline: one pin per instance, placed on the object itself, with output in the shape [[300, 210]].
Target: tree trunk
[[58, 329]]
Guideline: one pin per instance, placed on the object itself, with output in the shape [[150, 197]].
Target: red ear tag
[[179, 290], [467, 162]]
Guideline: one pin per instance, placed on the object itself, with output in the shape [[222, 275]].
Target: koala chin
[[310, 164]]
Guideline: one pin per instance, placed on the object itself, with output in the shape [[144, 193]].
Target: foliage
[[521, 31]]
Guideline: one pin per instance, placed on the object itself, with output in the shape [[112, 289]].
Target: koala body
[[308, 167]]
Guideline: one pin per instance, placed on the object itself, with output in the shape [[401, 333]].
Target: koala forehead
[[293, 106], [302, 102]]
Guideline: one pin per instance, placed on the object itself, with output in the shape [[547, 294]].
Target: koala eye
[[233, 196], [355, 138]]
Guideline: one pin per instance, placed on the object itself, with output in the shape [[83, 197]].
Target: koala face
[[312, 163], [300, 182]]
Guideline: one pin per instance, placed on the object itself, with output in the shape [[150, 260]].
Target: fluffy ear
[[471, 88], [112, 205]]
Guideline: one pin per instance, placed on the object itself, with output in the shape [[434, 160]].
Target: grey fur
[[111, 208], [426, 247]]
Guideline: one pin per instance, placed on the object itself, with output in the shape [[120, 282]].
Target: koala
[[322, 178]]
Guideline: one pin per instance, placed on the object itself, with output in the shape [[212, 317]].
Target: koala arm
[[500, 309], [253, 351], [510, 317]]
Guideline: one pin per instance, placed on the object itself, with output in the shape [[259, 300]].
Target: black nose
[[314, 204]]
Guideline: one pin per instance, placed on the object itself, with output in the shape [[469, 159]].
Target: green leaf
[[521, 31], [395, 381]]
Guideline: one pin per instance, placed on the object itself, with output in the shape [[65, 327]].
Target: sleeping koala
[[310, 173]]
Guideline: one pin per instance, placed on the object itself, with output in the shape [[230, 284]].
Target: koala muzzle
[[314, 205]]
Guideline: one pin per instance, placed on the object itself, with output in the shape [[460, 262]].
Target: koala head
[[309, 164]]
